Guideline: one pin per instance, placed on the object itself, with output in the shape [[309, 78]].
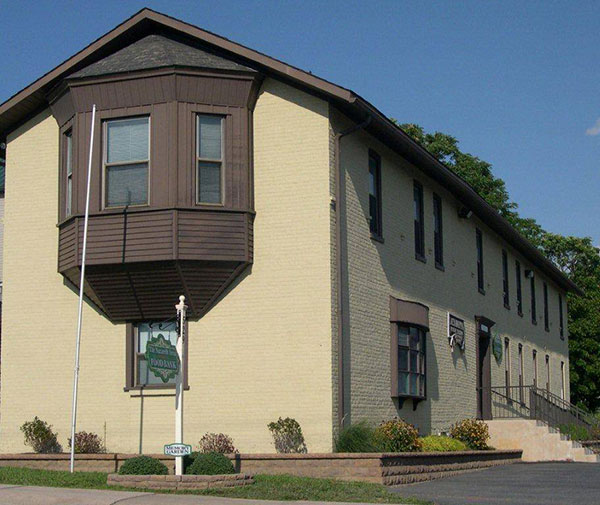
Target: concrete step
[[538, 441]]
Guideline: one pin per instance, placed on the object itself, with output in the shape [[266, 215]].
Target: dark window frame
[[519, 288], [561, 319], [546, 309], [480, 271], [421, 360], [418, 219], [438, 231], [533, 300], [131, 357], [68, 172], [507, 370], [505, 283], [535, 368], [521, 374], [548, 372], [375, 200]]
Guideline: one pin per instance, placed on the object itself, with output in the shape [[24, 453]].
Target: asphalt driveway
[[517, 484]]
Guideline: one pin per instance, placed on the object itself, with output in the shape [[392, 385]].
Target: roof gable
[[157, 51]]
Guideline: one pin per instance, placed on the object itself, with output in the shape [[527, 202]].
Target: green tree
[[575, 256]]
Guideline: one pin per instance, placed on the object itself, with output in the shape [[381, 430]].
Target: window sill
[[415, 400], [440, 267], [520, 314], [377, 238], [534, 322], [420, 258], [154, 387], [481, 291], [507, 306]]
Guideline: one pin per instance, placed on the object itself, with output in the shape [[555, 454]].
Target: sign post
[[181, 313]]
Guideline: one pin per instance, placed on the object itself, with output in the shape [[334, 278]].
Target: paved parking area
[[517, 484]]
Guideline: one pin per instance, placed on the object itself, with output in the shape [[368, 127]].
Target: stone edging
[[179, 482]]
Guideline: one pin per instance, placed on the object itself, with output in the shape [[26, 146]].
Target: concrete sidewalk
[[31, 495]]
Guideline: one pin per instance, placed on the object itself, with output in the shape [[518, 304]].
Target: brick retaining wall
[[179, 483], [389, 469]]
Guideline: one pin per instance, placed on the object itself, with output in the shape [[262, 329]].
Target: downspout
[[340, 259]]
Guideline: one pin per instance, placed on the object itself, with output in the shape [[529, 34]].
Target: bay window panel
[[402, 359], [126, 185], [410, 366], [403, 383], [127, 140], [209, 137], [209, 182]]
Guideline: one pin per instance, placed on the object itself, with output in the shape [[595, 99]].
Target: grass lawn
[[266, 487]]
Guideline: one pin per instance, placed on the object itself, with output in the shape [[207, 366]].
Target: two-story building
[[334, 270]]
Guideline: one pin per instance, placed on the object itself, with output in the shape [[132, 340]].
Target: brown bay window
[[409, 327]]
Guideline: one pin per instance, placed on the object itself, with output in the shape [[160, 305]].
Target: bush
[[211, 463], [575, 432], [188, 460], [88, 443], [287, 436], [39, 435], [472, 432], [356, 438], [143, 465], [216, 442], [397, 436], [435, 443]]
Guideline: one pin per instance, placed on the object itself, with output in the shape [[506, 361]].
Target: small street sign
[[162, 358], [178, 449]]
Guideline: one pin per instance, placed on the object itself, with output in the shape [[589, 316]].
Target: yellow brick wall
[[262, 352], [378, 270]]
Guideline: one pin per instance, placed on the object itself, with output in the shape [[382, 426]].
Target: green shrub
[[397, 436], [211, 463], [188, 460], [472, 432], [216, 442], [39, 435], [287, 436], [440, 443], [88, 443], [358, 437], [575, 432], [143, 465]]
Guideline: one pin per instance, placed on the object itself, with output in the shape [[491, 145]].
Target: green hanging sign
[[497, 347], [162, 358]]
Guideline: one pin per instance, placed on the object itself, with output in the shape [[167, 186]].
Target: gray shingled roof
[[155, 51]]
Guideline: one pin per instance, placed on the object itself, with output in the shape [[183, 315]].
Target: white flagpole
[[79, 317], [181, 313]]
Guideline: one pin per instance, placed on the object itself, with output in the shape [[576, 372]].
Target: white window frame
[[198, 159], [106, 165]]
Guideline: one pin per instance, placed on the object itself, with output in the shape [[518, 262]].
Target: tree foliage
[[576, 257]]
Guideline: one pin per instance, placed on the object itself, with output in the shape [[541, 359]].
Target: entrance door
[[484, 369]]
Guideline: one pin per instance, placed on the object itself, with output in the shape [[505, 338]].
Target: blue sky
[[518, 83]]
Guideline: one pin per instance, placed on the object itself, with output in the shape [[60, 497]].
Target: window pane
[[209, 182], [145, 332], [414, 338], [209, 137], [127, 185], [69, 195], [146, 377], [414, 384], [403, 383], [402, 359], [403, 336], [69, 160], [414, 361], [422, 385], [127, 140]]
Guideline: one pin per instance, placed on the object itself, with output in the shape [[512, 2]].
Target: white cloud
[[594, 130]]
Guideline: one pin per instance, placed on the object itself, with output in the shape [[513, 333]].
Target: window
[[547, 373], [561, 321], [535, 369], [68, 173], [209, 159], [546, 317], [521, 395], [505, 280], [375, 194], [143, 332], [563, 392], [533, 307], [479, 242], [438, 231], [519, 289], [507, 367], [411, 361], [126, 161], [418, 218]]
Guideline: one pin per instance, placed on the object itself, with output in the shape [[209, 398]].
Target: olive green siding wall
[[378, 270]]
